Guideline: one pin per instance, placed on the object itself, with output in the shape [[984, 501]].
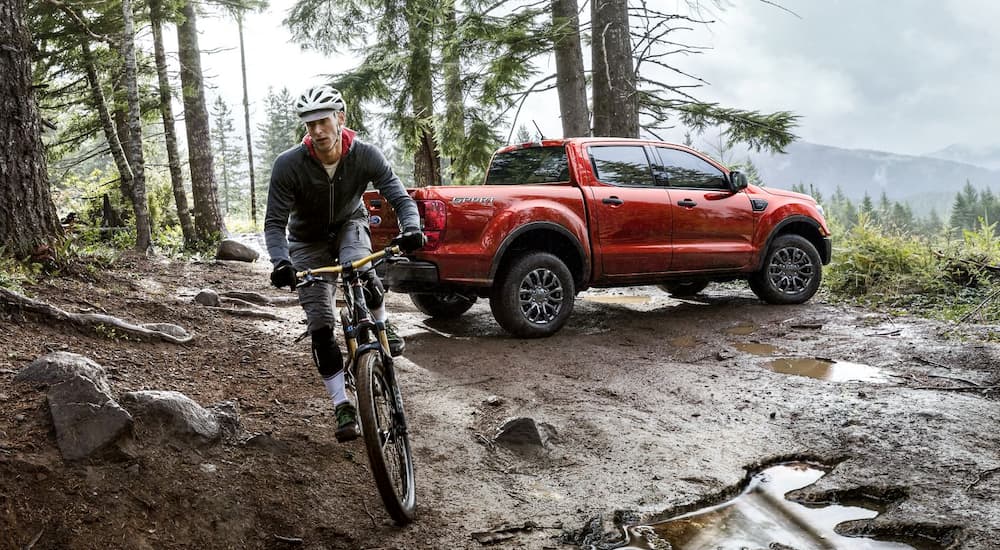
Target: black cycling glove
[[284, 275], [411, 239]]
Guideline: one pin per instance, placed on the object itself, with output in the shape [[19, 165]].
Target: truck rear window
[[530, 165]]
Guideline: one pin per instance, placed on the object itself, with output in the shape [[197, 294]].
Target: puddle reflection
[[823, 369], [741, 330], [761, 517]]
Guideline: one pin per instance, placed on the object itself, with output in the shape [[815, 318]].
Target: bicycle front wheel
[[384, 429]]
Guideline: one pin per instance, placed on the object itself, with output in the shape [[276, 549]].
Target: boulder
[[520, 434], [60, 366], [174, 415], [88, 422], [208, 297], [230, 249]]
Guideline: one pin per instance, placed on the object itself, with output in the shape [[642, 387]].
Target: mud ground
[[650, 403]]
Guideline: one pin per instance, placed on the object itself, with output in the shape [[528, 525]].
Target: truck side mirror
[[738, 181]]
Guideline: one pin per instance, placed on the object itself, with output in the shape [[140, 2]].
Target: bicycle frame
[[370, 372], [355, 319]]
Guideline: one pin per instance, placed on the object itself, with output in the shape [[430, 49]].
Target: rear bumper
[[413, 276]]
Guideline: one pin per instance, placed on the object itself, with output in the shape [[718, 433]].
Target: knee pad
[[374, 291], [326, 352]]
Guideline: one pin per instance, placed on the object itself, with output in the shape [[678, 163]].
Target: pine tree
[[27, 216], [280, 131], [227, 154]]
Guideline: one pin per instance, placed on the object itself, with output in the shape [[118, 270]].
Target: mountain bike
[[370, 373]]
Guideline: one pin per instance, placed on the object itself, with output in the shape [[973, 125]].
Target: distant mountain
[[922, 181], [987, 157]]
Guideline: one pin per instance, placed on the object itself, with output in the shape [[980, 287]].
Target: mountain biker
[[315, 193]]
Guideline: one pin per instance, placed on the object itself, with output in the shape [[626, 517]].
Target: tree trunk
[[143, 233], [616, 103], [246, 123], [453, 130], [27, 216], [208, 222], [571, 81], [426, 160], [109, 125], [169, 130]]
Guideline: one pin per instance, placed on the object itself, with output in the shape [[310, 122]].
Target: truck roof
[[584, 140]]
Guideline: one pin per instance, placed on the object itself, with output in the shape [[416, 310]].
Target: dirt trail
[[652, 405]]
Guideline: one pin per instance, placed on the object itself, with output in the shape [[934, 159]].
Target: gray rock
[[60, 366], [230, 249], [227, 413], [87, 420], [520, 434], [174, 414], [208, 297]]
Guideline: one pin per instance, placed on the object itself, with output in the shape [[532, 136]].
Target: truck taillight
[[432, 217]]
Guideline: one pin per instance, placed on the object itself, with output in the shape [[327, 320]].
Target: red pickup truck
[[557, 217]]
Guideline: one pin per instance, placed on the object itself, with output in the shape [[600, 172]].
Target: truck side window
[[689, 171], [623, 165], [529, 166]]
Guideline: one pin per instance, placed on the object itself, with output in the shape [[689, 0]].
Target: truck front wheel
[[534, 297], [791, 273], [442, 305]]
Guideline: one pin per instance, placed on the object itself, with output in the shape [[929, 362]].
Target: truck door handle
[[613, 201], [687, 203]]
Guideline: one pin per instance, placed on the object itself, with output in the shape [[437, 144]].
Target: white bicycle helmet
[[319, 102]]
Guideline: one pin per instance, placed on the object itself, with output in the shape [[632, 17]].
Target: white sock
[[335, 385], [379, 313]]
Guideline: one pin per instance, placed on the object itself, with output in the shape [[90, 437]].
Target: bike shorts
[[353, 242]]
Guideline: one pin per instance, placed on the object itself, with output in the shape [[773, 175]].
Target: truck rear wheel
[[442, 305], [791, 272], [534, 297]]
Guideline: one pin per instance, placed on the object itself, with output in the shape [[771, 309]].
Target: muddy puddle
[[825, 369], [761, 517], [742, 329]]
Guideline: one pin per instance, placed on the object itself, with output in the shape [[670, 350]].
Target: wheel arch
[[544, 237], [803, 226]]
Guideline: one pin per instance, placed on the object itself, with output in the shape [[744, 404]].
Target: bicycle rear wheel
[[383, 426]]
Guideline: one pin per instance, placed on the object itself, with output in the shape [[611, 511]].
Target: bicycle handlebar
[[389, 251]]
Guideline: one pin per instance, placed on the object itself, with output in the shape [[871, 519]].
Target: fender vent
[[758, 205]]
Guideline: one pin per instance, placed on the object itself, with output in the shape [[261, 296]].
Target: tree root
[[167, 333], [257, 314], [259, 299]]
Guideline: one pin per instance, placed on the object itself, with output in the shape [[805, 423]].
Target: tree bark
[[426, 160], [143, 232], [27, 216], [616, 101], [209, 226], [571, 81], [169, 130], [246, 122]]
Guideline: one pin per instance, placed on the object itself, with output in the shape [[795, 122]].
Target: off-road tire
[[791, 271], [442, 305], [681, 289], [533, 298], [380, 406]]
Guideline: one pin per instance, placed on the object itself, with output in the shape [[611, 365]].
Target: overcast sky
[[905, 76]]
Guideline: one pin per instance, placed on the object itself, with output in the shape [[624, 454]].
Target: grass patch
[[937, 277]]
